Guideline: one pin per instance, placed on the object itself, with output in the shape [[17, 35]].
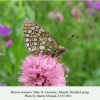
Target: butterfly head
[[62, 50]]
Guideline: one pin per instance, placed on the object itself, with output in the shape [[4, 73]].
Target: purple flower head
[[89, 2], [42, 71], [9, 43], [3, 84], [5, 31], [92, 12], [96, 5]]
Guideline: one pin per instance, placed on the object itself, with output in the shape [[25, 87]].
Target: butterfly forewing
[[38, 40]]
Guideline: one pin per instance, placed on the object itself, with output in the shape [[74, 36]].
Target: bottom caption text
[[49, 94]]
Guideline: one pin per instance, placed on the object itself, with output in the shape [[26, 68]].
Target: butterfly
[[37, 40]]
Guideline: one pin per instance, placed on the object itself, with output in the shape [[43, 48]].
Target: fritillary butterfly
[[37, 40]]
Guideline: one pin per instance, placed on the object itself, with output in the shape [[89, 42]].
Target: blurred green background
[[61, 19]]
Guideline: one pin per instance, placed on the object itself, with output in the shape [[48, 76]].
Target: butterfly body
[[38, 40]]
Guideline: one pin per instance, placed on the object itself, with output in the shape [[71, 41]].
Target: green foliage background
[[82, 56]]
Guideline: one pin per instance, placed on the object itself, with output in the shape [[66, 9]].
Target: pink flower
[[9, 43], [74, 12], [42, 71], [69, 3], [51, 15], [66, 70], [59, 17], [55, 15]]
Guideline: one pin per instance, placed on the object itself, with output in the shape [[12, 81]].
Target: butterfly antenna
[[69, 41]]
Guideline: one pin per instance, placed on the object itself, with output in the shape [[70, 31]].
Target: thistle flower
[[5, 31], [42, 71], [9, 43]]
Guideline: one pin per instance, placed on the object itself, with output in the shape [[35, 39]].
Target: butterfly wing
[[37, 39]]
